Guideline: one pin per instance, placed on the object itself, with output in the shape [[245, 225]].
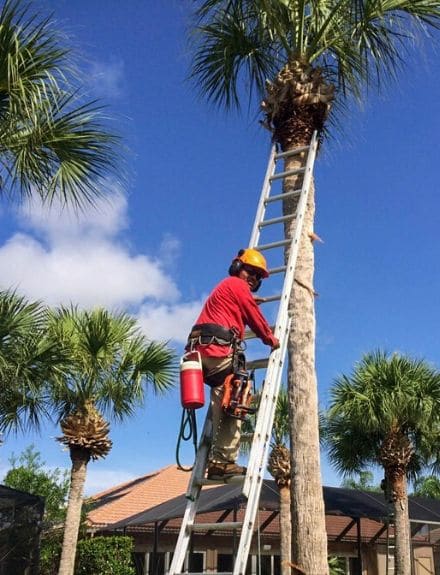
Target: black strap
[[213, 330], [207, 333]]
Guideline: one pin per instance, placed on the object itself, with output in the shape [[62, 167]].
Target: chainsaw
[[237, 394]]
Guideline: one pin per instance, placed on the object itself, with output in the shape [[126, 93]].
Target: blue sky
[[193, 180]]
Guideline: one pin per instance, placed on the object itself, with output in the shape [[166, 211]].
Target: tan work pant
[[226, 430]]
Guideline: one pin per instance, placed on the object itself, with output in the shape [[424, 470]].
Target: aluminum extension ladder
[[391, 548], [274, 367]]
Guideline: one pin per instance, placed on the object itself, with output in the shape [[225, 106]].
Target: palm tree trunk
[[309, 537], [80, 458], [285, 530], [402, 527]]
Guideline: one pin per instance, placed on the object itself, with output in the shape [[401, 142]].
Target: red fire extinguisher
[[192, 391]]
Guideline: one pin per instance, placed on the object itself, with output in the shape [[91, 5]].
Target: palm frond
[[28, 360], [52, 140], [234, 44]]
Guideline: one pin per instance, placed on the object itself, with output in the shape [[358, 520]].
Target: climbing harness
[[212, 333]]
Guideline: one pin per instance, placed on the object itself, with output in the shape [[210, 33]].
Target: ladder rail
[[283, 321], [192, 494], [254, 487], [261, 208]]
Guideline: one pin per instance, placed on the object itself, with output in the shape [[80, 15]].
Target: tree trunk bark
[[309, 537], [80, 459], [402, 527], [285, 530]]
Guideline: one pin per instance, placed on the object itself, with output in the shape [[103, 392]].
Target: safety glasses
[[253, 272]]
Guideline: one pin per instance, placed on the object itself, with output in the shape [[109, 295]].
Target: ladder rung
[[223, 526], [282, 175], [273, 245], [291, 152], [228, 480], [284, 196], [279, 220], [277, 270], [248, 334], [258, 363], [271, 298]]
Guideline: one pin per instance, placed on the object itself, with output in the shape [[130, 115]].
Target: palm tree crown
[[294, 54], [110, 361], [387, 412]]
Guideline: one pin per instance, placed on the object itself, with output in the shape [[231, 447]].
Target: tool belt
[[207, 333]]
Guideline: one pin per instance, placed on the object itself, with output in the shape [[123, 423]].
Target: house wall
[[264, 554]]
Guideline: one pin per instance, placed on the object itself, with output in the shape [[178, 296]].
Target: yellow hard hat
[[254, 258]]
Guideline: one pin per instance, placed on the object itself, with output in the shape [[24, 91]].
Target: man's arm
[[253, 317]]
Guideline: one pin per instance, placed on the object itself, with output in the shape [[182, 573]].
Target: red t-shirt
[[231, 304]]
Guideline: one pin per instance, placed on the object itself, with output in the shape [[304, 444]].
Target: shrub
[[50, 552], [105, 556]]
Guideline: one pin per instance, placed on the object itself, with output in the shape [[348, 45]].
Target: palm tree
[[387, 413], [110, 362], [299, 58], [52, 141], [27, 360], [427, 486], [364, 483]]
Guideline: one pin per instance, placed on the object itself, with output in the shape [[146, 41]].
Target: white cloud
[[59, 224], [100, 479], [107, 79], [63, 258], [169, 250], [60, 258], [85, 273], [165, 322]]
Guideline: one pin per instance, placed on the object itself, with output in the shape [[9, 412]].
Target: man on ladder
[[218, 337]]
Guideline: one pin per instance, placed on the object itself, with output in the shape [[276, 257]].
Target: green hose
[[188, 430]]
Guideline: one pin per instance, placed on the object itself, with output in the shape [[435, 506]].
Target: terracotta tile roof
[[127, 499], [141, 494]]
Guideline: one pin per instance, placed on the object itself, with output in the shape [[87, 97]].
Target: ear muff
[[236, 265]]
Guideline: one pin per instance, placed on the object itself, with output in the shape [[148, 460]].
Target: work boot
[[225, 470]]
